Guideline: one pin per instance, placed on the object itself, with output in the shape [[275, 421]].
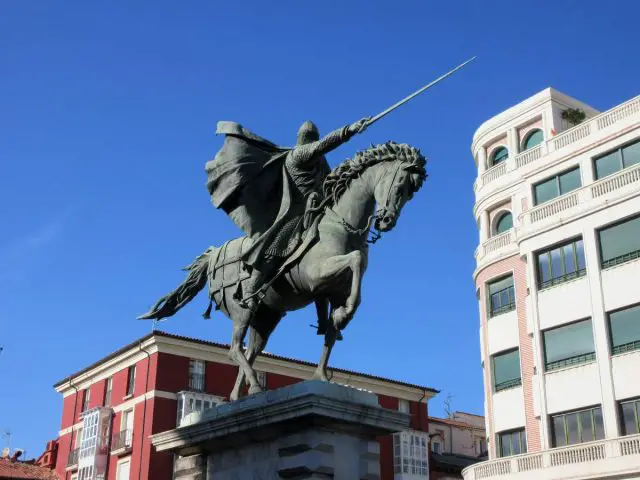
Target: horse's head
[[400, 178]]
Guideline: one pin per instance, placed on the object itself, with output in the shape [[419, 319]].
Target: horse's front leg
[[330, 271], [329, 342]]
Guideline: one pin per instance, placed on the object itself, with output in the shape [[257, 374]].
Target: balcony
[[496, 247], [588, 132], [584, 200], [72, 461], [598, 459], [121, 442]]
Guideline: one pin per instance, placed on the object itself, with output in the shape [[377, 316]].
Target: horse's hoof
[[322, 378], [255, 389], [340, 318]]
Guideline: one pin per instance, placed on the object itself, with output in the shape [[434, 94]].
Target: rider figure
[[307, 168]]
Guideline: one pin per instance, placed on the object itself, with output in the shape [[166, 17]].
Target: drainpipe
[[73, 422], [419, 420], [144, 409]]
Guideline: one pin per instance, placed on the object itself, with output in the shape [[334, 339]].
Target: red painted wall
[[278, 381], [174, 373], [64, 446], [68, 405], [386, 441], [163, 419], [220, 378]]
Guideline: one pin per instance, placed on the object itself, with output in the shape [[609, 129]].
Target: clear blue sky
[[107, 117]]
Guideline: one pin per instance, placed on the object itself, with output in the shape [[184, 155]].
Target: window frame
[[620, 259], [197, 381], [578, 411], [567, 362], [509, 307], [522, 435], [499, 218], [131, 381], [528, 136], [108, 391], [623, 426], [86, 399], [565, 277], [625, 347], [555, 177], [507, 384], [494, 154], [619, 151]]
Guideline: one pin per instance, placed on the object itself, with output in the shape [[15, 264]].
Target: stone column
[[484, 226], [514, 144], [312, 430], [481, 157]]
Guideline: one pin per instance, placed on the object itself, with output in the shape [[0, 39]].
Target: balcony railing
[[586, 459], [122, 440], [72, 461], [570, 136], [581, 196]]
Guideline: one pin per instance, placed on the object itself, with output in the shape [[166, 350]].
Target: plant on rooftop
[[574, 115]]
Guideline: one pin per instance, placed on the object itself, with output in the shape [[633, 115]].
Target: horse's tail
[[195, 281]]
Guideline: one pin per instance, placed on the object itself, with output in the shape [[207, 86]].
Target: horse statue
[[366, 191]]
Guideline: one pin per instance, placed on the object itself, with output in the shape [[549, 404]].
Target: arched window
[[504, 223], [499, 156], [533, 139]]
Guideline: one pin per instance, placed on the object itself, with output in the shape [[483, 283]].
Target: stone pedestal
[[311, 430]]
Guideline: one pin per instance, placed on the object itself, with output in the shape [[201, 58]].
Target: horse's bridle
[[379, 213]]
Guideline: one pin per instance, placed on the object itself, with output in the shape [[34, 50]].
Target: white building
[[558, 284]]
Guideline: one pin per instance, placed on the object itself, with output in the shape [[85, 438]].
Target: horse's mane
[[339, 179]]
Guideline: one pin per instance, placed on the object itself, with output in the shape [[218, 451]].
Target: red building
[[112, 407]]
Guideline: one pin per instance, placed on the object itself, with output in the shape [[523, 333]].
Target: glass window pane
[[543, 268], [557, 269], [559, 438], [533, 140], [580, 254], [570, 181], [500, 155], [568, 341], [515, 444], [586, 426], [599, 424], [505, 445], [620, 239], [631, 154], [506, 367], [523, 441], [545, 191], [572, 428], [569, 259], [499, 285], [625, 326], [608, 164], [629, 423], [505, 223]]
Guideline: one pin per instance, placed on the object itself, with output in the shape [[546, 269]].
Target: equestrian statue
[[306, 232]]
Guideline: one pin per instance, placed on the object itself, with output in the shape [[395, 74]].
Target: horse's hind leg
[[329, 342], [258, 337], [237, 355]]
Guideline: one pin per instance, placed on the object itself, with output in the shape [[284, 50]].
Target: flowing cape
[[246, 180]]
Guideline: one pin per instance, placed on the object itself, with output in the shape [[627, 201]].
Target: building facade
[[558, 269], [112, 407]]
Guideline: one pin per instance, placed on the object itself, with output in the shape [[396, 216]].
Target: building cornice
[[161, 342]]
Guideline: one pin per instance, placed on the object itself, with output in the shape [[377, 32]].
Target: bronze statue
[[306, 232]]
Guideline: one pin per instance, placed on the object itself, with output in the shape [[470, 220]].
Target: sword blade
[[417, 92]]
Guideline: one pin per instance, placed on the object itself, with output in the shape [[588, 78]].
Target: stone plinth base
[[310, 430]]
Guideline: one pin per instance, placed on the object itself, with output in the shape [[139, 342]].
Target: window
[[196, 375], [577, 427], [615, 161], [403, 405], [122, 472], [506, 370], [504, 223], [557, 185], [131, 380], [561, 264], [630, 416], [513, 442], [107, 391], [410, 454], [568, 345], [435, 446], [86, 398], [620, 243], [534, 138], [262, 378], [501, 296], [624, 326], [499, 156]]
